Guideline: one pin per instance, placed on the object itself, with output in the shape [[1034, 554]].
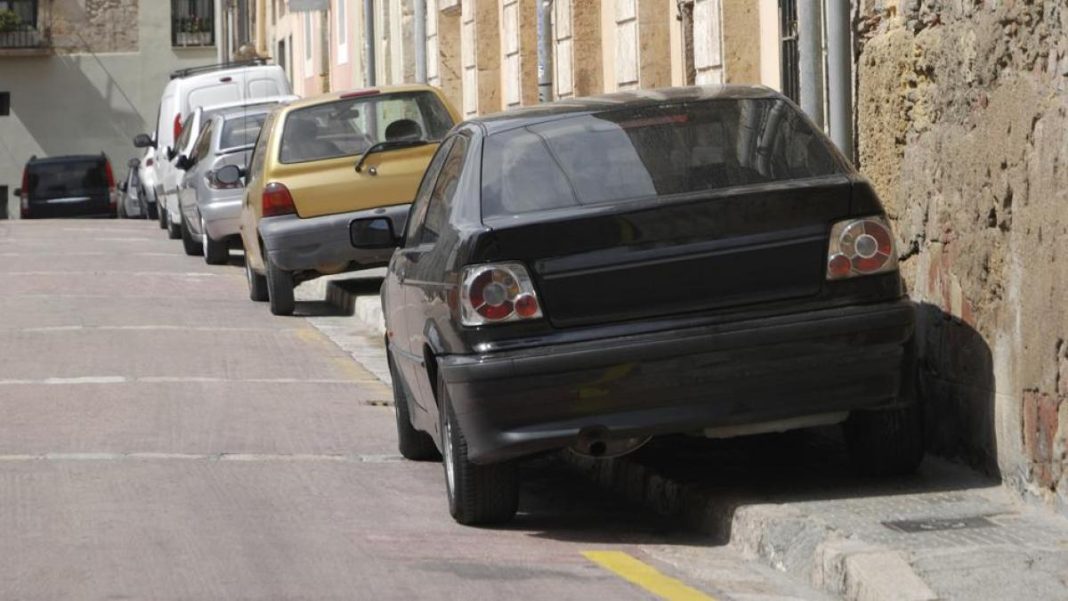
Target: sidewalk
[[789, 500]]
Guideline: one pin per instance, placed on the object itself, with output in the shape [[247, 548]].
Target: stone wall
[[963, 127], [95, 26]]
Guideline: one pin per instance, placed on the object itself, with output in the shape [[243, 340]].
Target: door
[[409, 359], [424, 259]]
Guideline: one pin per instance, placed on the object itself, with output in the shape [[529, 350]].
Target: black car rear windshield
[[349, 126], [76, 177], [628, 154]]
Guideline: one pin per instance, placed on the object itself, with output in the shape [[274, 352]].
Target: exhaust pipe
[[595, 442]]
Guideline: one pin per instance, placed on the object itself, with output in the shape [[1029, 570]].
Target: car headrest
[[403, 129]]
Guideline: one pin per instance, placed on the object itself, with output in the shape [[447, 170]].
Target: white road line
[[95, 380], [148, 328], [188, 274], [236, 457]]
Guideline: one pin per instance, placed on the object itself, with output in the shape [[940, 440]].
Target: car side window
[[203, 144], [417, 213], [260, 149], [441, 197]]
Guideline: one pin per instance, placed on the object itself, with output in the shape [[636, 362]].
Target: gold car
[[319, 163]]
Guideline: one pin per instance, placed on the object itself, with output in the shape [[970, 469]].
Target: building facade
[[85, 77]]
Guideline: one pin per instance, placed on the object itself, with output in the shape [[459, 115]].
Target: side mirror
[[183, 163], [229, 175], [18, 192], [171, 153], [143, 141], [373, 232]]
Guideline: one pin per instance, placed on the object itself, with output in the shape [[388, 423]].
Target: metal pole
[[840, 75], [420, 40], [545, 50], [369, 41], [810, 51]]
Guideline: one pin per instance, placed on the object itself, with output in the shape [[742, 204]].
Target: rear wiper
[[388, 145]]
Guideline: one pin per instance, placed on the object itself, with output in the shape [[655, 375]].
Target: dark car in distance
[[68, 186], [591, 273]]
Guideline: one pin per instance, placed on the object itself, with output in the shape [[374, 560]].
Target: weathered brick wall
[[96, 26], [963, 127]]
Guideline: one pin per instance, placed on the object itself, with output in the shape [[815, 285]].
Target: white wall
[[88, 103]]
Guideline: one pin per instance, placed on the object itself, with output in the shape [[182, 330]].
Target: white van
[[188, 89]]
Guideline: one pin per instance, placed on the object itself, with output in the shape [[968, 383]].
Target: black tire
[[885, 443], [174, 230], [257, 284], [150, 211], [413, 444], [478, 494], [192, 247], [161, 215], [215, 252], [279, 288]]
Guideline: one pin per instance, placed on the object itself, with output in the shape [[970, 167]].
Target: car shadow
[[956, 388]]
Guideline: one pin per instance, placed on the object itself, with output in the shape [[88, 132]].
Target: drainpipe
[[545, 50], [369, 41], [420, 40], [326, 47], [840, 75], [810, 51]]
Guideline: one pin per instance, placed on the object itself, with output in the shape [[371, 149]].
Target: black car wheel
[[191, 245], [279, 288], [412, 444], [215, 252], [150, 211], [161, 214], [478, 494], [174, 230], [257, 284]]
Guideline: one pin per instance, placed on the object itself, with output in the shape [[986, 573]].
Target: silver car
[[211, 209]]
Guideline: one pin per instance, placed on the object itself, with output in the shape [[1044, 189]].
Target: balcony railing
[[26, 37]]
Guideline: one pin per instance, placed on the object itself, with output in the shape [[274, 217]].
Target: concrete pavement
[[164, 438]]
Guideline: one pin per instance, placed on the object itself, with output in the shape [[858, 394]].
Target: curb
[[780, 536]]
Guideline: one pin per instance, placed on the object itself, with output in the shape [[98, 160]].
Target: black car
[[68, 186], [594, 272]]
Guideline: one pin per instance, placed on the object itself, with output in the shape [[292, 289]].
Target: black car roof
[[498, 122], [67, 158]]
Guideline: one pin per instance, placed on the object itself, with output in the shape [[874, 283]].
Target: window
[[350, 126], [25, 10], [789, 53], [631, 154], [342, 33], [443, 193], [241, 131], [259, 152], [422, 197], [192, 23], [203, 144], [182, 143]]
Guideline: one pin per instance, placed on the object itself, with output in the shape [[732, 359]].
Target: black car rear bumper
[[516, 403]]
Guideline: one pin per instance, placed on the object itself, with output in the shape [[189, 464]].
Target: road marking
[[645, 576], [186, 274], [239, 457], [179, 380], [152, 328]]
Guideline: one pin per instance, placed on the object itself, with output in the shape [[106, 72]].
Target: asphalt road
[[164, 438]]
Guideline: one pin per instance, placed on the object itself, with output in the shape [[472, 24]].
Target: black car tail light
[[497, 293], [860, 247]]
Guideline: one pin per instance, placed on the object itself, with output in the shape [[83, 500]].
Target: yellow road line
[[645, 576]]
